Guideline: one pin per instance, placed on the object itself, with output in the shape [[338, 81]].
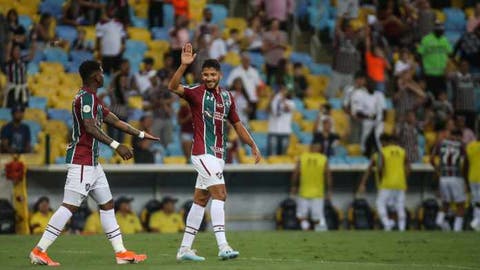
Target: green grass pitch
[[264, 250]]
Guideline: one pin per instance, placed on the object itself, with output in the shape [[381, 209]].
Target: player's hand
[[256, 153], [187, 54], [124, 151], [150, 137]]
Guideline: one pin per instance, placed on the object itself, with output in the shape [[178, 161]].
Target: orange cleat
[[41, 258], [127, 257]]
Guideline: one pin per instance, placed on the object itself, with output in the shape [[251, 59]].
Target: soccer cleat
[[41, 258], [127, 257], [321, 227], [187, 254], [475, 225], [444, 226], [227, 253]]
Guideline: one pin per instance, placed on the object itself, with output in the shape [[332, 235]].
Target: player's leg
[[475, 190], [194, 221], [459, 196], [102, 195], [303, 207], [400, 207], [446, 198], [318, 215], [382, 199]]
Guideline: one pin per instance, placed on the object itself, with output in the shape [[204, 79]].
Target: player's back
[[451, 153], [393, 168], [473, 154], [312, 175]]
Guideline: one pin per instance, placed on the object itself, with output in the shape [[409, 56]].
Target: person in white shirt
[[110, 42], [218, 47], [241, 100], [280, 122], [355, 121], [251, 81], [146, 79], [233, 42]]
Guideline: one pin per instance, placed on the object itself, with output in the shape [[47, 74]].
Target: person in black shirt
[[15, 135], [326, 138], [141, 148]]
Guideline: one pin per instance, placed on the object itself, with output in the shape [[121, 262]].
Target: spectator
[[253, 35], [141, 148], [251, 81], [353, 107], [167, 220], [326, 138], [15, 135], [242, 102], [463, 89], [323, 113], [474, 21], [4, 37], [110, 42], [179, 36], [346, 57], [43, 33], [41, 215], [16, 91], [434, 50], [80, 43], [407, 132], [279, 10], [146, 79], [388, 13], [425, 19], [218, 46], [93, 224], [468, 48], [274, 46], [348, 7], [299, 81], [93, 10], [279, 122], [377, 64], [167, 70], [180, 8], [162, 100], [443, 109], [155, 13], [409, 95], [405, 63], [127, 220], [468, 135], [122, 11], [233, 42], [73, 13], [186, 128], [204, 29], [17, 33]]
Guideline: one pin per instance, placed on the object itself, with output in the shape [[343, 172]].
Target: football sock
[[112, 230], [402, 220], [458, 225], [440, 218], [54, 227], [194, 220], [305, 225], [218, 221], [382, 212]]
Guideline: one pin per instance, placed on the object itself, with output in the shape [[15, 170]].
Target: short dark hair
[[148, 60], [233, 31], [211, 63], [385, 138], [457, 132], [87, 68]]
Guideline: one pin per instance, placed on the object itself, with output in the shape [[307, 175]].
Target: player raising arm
[[212, 108], [85, 175]]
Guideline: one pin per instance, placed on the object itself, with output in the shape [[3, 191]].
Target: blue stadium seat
[[62, 115], [219, 14], [56, 55], [306, 137], [296, 128], [174, 149], [356, 160], [37, 102], [340, 151], [106, 152], [136, 46], [320, 69], [261, 115], [336, 103], [261, 140], [25, 21], [35, 128], [54, 9], [299, 106], [454, 20], [5, 114], [453, 36], [310, 115], [336, 160], [139, 22], [32, 68], [80, 56], [72, 67], [60, 160], [257, 59], [389, 103], [160, 33], [135, 115], [38, 57], [303, 58], [66, 32], [318, 17], [168, 19]]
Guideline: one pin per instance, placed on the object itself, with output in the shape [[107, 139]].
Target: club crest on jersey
[[219, 175], [86, 109]]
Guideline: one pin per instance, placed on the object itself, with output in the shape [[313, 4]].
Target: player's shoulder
[[193, 87]]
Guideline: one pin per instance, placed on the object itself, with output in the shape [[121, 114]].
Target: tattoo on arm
[[92, 129], [113, 120]]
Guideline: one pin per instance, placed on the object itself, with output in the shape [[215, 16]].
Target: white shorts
[[475, 190], [86, 180], [186, 136], [391, 197], [210, 170], [314, 206], [452, 189]]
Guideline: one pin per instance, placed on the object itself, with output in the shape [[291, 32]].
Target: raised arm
[[187, 58], [112, 120], [244, 135]]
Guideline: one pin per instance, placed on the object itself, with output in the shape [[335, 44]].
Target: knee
[[71, 208], [106, 206], [221, 196], [201, 201]]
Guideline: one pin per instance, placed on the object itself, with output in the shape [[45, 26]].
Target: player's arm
[[112, 120], [245, 137], [407, 167], [96, 132], [187, 58], [295, 179], [328, 177], [366, 174]]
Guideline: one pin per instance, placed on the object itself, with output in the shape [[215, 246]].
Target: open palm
[[187, 54]]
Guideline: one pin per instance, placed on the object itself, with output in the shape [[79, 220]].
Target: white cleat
[[227, 253], [475, 224], [187, 254]]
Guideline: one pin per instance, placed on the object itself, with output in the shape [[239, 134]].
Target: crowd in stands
[[404, 67]]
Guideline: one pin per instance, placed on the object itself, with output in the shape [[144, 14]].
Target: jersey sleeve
[[189, 92], [105, 109], [232, 114], [87, 102]]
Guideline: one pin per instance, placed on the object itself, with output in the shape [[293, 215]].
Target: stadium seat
[[80, 56], [161, 33], [66, 32], [258, 125], [219, 14], [60, 114], [261, 140], [354, 150], [35, 128], [139, 22], [5, 114], [174, 149], [356, 160], [55, 9], [303, 58], [135, 102], [306, 137], [232, 59], [37, 102], [168, 19], [136, 46], [159, 46], [135, 115], [157, 59], [36, 115], [320, 69], [56, 55], [236, 23], [175, 160], [296, 129], [299, 106], [106, 152], [141, 10], [340, 151], [336, 160], [32, 68], [310, 115], [25, 21], [280, 160], [307, 126], [257, 60], [261, 115], [140, 34], [336, 103]]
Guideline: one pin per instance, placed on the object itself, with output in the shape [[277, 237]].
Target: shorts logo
[[86, 109], [87, 187], [219, 175]]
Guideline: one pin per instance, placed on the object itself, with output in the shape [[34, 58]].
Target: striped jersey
[[211, 110], [84, 148], [451, 155]]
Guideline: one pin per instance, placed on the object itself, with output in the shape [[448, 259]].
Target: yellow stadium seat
[[141, 10], [317, 84], [314, 103], [195, 9], [237, 23], [440, 15], [157, 59], [341, 122], [71, 78], [90, 33], [140, 34], [34, 159], [175, 160], [51, 68], [280, 160], [354, 150], [297, 116], [469, 12], [430, 139], [263, 103], [37, 115], [56, 128], [388, 128], [258, 125], [232, 58], [3, 80], [390, 117], [29, 9], [159, 46], [426, 159], [135, 102], [117, 159], [137, 2], [307, 126]]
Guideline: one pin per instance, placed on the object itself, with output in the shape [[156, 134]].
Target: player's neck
[[90, 88]]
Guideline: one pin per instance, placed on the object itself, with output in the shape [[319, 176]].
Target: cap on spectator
[[168, 199], [122, 199], [17, 108]]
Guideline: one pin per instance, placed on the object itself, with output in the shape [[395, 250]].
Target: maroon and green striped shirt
[[84, 149], [210, 112]]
